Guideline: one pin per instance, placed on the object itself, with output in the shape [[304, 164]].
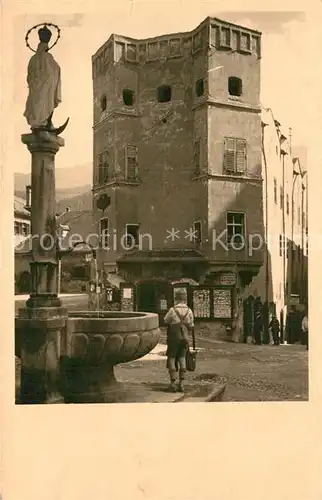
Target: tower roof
[[207, 21]]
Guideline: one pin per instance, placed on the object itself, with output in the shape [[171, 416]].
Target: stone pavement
[[251, 373]]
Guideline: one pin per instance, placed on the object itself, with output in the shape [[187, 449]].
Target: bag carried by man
[[184, 333]]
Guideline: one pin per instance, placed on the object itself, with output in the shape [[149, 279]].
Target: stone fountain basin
[[109, 337]]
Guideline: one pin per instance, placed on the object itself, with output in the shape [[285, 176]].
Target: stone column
[[39, 323]]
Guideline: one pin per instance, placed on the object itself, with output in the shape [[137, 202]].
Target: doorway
[[154, 295]]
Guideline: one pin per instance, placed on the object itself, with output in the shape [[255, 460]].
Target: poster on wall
[[127, 293], [227, 279], [127, 300], [201, 303], [222, 303]]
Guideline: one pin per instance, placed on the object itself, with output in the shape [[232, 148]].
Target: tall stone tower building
[[177, 149]]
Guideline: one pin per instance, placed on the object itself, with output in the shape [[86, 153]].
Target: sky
[[286, 70]]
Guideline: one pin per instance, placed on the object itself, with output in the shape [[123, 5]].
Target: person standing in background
[[305, 331], [275, 329], [258, 326]]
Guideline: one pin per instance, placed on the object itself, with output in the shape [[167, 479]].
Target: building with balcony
[[178, 156]]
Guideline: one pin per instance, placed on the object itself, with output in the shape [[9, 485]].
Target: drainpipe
[[266, 318]]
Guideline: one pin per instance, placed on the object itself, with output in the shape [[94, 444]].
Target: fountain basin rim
[[111, 322], [115, 315]]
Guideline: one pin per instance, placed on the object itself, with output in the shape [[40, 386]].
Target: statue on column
[[44, 82]]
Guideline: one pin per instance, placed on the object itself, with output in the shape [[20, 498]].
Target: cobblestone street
[[252, 373]]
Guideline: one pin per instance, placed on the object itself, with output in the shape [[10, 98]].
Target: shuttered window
[[197, 156], [235, 156], [103, 167], [131, 163]]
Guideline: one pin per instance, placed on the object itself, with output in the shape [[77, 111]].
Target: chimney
[[28, 197]]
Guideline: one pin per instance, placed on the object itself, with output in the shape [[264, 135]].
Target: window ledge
[[235, 98], [231, 177], [245, 51], [233, 103], [115, 182]]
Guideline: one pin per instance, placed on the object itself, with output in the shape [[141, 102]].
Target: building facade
[[178, 156], [22, 223], [282, 280]]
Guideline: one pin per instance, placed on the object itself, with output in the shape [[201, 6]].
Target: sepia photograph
[[161, 186]]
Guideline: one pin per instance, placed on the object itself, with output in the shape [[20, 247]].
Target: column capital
[[42, 141]]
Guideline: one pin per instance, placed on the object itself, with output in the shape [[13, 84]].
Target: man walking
[[180, 323]]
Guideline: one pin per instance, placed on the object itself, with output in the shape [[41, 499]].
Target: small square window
[[128, 97], [200, 87], [132, 235], [164, 93], [235, 86]]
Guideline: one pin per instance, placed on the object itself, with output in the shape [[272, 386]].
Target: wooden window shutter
[[100, 168], [197, 156], [105, 166], [229, 155], [235, 155], [131, 162], [240, 156]]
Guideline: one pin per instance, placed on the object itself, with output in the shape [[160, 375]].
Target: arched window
[[103, 103], [164, 93], [128, 97], [235, 86]]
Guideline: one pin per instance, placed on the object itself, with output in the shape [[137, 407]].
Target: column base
[[37, 344], [85, 383], [43, 300]]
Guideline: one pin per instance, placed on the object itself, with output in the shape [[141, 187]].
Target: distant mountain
[[62, 194], [79, 203], [79, 176], [71, 182]]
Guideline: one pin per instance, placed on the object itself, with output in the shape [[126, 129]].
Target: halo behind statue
[[44, 34]]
